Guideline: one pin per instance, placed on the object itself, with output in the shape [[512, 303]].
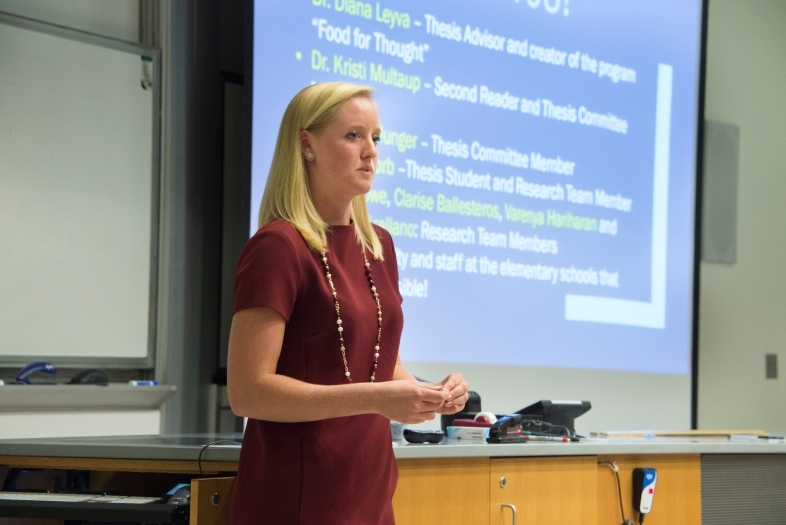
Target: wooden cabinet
[[210, 498], [544, 490], [450, 490], [468, 491], [579, 490], [677, 496]]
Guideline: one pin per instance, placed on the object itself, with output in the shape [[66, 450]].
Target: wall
[[117, 19], [743, 306], [17, 425], [113, 18], [505, 389], [191, 154]]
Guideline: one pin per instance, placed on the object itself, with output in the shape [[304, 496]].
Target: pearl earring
[[310, 155]]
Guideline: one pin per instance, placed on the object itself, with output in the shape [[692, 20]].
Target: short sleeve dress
[[338, 471]]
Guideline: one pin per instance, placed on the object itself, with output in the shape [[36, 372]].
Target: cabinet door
[[450, 490], [210, 499], [677, 498], [544, 490]]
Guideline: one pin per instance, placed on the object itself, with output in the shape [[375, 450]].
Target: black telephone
[[558, 413]]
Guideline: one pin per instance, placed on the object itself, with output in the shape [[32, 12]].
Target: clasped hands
[[457, 391], [410, 401]]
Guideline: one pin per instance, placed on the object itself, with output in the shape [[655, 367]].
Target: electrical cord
[[225, 441], [567, 431], [547, 427], [614, 468]]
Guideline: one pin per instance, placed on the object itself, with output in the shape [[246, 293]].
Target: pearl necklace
[[339, 322]]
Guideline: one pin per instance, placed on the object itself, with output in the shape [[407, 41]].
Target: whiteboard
[[78, 196]]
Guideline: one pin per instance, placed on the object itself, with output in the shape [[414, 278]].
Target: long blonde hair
[[287, 193]]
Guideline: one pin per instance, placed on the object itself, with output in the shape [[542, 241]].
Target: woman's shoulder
[[278, 227], [279, 237], [277, 231], [271, 269]]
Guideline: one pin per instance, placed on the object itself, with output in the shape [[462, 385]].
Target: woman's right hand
[[410, 401]]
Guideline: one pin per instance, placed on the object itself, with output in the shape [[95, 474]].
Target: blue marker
[[143, 383]]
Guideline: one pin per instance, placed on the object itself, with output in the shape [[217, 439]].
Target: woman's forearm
[[275, 397], [257, 391]]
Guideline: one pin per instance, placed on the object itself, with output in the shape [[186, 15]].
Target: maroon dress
[[338, 471]]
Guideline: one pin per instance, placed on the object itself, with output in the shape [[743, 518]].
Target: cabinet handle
[[512, 508]]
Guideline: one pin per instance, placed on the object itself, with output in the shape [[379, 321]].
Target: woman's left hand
[[457, 389]]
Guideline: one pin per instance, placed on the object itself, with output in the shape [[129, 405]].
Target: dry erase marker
[[143, 383]]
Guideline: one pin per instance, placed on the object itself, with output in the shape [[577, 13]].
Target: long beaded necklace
[[339, 322]]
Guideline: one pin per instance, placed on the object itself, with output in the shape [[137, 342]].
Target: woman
[[313, 351]]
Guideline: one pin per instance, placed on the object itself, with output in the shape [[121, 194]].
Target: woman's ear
[[305, 145]]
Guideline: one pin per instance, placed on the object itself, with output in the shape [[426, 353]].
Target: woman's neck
[[335, 215], [332, 206]]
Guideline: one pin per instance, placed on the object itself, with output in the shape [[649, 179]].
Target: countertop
[[186, 447]]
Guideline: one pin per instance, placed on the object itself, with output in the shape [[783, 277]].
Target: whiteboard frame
[[147, 362]]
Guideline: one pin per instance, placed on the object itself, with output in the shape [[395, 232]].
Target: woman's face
[[344, 153]]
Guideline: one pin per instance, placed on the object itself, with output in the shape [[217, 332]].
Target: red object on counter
[[470, 423]]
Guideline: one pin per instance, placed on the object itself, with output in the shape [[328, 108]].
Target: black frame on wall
[[697, 217]]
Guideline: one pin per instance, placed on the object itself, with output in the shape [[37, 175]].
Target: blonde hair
[[287, 193]]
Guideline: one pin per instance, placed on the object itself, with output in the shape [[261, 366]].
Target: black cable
[[199, 458], [616, 471], [619, 492], [568, 433], [547, 427]]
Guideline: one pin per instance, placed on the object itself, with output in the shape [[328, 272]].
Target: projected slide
[[536, 167]]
